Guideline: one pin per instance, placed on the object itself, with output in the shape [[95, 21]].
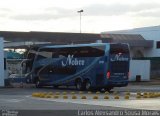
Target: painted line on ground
[[12, 100]]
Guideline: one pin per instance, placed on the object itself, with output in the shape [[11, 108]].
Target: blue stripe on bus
[[79, 74]]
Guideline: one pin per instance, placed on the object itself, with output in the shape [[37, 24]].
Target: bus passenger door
[[43, 74]]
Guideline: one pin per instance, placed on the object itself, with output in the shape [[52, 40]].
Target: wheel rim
[[37, 83], [78, 85], [88, 85]]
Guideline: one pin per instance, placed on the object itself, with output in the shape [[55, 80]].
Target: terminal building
[[144, 42], [24, 39]]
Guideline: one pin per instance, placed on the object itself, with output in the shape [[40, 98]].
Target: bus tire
[[38, 84], [87, 85], [108, 89], [79, 84]]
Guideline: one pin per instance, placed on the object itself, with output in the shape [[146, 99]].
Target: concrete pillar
[[1, 62]]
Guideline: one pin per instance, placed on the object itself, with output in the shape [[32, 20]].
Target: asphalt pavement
[[21, 99]]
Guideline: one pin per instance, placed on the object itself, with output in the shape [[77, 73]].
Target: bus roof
[[78, 45], [75, 45]]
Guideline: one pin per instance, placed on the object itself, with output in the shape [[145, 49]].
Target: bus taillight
[[108, 74]]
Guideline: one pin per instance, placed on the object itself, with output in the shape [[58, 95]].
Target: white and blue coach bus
[[86, 66]]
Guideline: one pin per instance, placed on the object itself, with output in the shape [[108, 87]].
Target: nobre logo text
[[119, 57], [73, 61]]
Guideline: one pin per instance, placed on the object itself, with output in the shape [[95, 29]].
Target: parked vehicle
[[86, 66]]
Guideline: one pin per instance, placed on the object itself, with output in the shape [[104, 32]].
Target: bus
[[85, 66]]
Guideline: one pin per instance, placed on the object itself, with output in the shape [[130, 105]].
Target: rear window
[[119, 67], [119, 48]]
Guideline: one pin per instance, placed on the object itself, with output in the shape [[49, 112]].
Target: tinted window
[[119, 67], [58, 70], [44, 54], [85, 51], [31, 55], [76, 51], [158, 44], [32, 52], [63, 70], [119, 48]]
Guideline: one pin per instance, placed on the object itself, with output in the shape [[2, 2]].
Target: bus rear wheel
[[79, 85], [88, 85], [108, 89]]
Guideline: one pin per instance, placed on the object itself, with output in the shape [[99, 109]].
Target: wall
[[140, 67], [149, 33], [1, 63]]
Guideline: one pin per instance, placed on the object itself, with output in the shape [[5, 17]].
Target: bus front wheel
[[37, 83]]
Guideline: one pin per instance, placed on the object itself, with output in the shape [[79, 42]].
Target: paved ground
[[21, 99]]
